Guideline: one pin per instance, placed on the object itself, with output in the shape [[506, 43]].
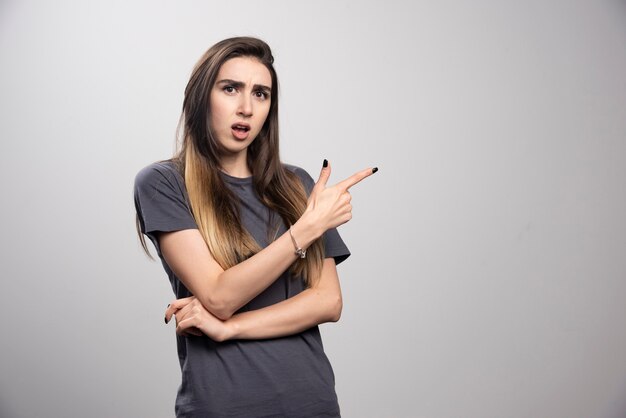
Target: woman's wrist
[[231, 329], [305, 231]]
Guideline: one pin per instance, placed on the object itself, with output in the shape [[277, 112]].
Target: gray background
[[488, 276]]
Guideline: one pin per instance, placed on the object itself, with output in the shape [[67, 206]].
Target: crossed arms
[[219, 293]]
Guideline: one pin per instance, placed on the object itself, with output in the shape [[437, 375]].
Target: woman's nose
[[245, 106]]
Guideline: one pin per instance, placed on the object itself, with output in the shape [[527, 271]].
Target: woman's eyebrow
[[262, 87], [240, 84]]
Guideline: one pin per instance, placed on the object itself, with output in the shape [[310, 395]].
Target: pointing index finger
[[356, 177]]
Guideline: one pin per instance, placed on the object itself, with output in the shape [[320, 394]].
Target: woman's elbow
[[218, 308], [223, 315], [335, 309]]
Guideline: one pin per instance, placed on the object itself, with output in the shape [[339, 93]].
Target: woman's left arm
[[315, 305]]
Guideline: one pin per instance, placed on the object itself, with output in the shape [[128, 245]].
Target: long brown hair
[[214, 205]]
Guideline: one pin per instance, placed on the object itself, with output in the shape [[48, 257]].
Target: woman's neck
[[235, 165]]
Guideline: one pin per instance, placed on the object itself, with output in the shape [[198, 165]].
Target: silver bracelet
[[299, 251]]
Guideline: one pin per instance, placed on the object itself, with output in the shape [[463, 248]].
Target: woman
[[249, 245]]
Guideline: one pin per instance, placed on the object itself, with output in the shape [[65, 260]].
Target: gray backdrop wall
[[488, 275]]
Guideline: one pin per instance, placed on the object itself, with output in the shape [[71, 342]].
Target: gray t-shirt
[[278, 377]]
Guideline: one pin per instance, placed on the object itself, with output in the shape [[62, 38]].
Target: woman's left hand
[[193, 319]]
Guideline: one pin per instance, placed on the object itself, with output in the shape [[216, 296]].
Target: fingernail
[[325, 163], [375, 169], [168, 305], [165, 319]]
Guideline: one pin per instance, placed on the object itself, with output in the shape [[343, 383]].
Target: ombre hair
[[214, 206]]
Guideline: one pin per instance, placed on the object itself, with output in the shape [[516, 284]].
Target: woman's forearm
[[310, 307], [288, 317], [239, 284]]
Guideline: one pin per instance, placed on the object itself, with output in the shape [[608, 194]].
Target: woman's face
[[240, 101]]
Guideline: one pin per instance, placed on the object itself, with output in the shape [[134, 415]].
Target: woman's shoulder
[[157, 172], [161, 177]]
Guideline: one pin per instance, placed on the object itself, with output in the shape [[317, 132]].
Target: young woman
[[249, 245]]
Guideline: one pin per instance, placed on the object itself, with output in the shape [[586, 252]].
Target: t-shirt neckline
[[235, 180]]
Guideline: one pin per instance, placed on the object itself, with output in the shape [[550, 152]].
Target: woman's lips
[[240, 130]]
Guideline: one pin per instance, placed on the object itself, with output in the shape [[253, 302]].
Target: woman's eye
[[229, 89], [261, 94]]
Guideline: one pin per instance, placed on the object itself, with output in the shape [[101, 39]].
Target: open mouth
[[241, 127]]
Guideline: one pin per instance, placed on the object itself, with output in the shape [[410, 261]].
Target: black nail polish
[[375, 169], [168, 305], [325, 163], [165, 319]]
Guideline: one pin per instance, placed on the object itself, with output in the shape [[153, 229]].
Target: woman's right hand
[[329, 207], [192, 318]]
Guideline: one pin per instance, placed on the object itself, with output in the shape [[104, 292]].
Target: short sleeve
[[333, 243], [161, 201]]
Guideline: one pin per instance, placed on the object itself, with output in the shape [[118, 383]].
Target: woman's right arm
[[223, 292]]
